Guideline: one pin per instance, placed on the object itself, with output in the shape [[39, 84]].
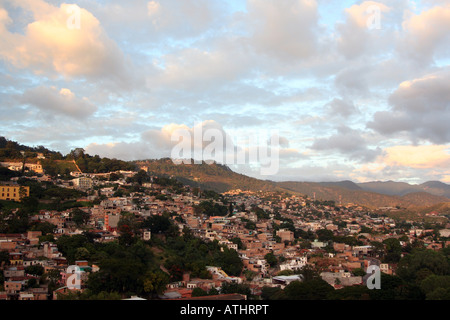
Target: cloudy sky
[[355, 90]]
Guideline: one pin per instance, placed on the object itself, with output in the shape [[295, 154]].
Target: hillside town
[[276, 236]]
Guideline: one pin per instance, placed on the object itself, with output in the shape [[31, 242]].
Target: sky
[[353, 90]]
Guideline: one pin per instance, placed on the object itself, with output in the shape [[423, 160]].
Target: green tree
[[324, 235], [309, 273], [45, 227], [36, 270], [271, 259], [316, 289], [359, 272], [393, 250], [270, 293], [351, 293], [80, 217], [229, 261], [439, 294], [157, 224], [82, 254], [126, 237], [155, 282], [198, 292], [431, 284], [231, 287], [409, 266]]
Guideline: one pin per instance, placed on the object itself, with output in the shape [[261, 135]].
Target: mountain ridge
[[221, 178]]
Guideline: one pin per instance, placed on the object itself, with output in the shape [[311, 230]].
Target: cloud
[[409, 163], [285, 30], [349, 142], [341, 108], [427, 34], [159, 143], [182, 18], [358, 34], [66, 40], [421, 157], [205, 141], [52, 101], [419, 107]]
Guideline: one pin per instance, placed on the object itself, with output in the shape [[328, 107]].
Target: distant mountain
[[221, 178], [424, 199], [393, 188], [347, 184], [437, 188], [362, 197]]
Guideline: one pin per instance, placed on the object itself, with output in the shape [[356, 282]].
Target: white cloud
[[421, 157], [427, 35], [349, 142], [52, 101], [361, 31], [420, 107], [55, 44], [286, 30]]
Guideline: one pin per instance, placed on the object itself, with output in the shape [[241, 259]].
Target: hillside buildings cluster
[[275, 235]]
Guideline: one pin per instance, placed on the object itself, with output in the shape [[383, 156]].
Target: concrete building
[[13, 192], [82, 183]]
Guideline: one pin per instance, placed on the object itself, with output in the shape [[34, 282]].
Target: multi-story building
[[82, 183], [285, 235], [18, 166], [13, 192]]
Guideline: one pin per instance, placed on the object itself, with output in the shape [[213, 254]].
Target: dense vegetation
[[422, 274], [13, 150], [56, 164], [130, 266]]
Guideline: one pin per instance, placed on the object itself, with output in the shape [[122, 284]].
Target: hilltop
[[220, 178], [214, 176], [401, 188]]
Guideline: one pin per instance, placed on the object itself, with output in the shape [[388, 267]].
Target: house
[[341, 277], [13, 192], [12, 287], [146, 235], [16, 258], [285, 280], [318, 244], [285, 235], [386, 268], [26, 296], [13, 272], [294, 264], [62, 291], [82, 183], [444, 233]]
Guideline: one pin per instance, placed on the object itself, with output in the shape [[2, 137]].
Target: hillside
[[393, 188], [14, 151], [221, 178], [343, 184], [217, 177], [390, 188], [361, 197], [437, 188]]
